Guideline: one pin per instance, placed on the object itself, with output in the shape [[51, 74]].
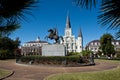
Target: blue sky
[[53, 13]]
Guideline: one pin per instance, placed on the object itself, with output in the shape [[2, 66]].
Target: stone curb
[[12, 72]]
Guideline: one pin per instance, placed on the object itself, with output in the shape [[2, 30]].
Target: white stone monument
[[53, 50]]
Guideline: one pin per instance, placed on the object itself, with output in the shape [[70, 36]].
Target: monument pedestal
[[53, 50]]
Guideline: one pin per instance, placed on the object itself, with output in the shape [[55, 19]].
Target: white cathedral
[[72, 44]]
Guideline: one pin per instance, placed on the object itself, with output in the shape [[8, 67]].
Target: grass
[[4, 72], [113, 74]]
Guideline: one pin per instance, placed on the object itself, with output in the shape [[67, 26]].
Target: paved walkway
[[30, 72]]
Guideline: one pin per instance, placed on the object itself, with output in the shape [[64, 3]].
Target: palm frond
[[88, 4], [15, 8], [8, 28], [12, 26], [110, 14], [117, 35]]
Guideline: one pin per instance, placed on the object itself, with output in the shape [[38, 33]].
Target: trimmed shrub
[[73, 53], [52, 59]]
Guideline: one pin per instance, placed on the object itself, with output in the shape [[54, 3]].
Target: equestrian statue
[[53, 34]]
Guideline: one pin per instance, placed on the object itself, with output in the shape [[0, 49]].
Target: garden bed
[[54, 60]]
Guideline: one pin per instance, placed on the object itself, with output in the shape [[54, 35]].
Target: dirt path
[[30, 72]]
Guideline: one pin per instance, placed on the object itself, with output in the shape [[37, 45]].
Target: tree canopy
[[8, 47], [106, 44]]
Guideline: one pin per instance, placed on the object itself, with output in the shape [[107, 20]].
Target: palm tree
[[8, 27], [15, 8], [118, 34], [110, 12], [10, 12], [88, 4]]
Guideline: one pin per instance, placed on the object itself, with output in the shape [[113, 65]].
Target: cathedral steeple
[[68, 25], [80, 33]]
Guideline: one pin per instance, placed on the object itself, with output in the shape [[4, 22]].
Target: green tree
[[110, 12], [106, 45], [8, 47], [86, 52], [118, 53]]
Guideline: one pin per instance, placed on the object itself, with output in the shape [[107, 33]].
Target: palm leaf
[[117, 34], [88, 4], [15, 8], [8, 28], [110, 14]]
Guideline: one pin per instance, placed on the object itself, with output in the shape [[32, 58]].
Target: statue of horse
[[53, 34]]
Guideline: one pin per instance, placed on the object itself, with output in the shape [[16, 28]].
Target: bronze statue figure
[[53, 34]]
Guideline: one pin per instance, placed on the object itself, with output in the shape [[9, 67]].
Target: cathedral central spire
[[68, 25], [80, 33]]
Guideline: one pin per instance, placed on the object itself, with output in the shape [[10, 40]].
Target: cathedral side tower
[[80, 42]]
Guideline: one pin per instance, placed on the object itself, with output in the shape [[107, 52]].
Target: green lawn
[[4, 72], [113, 74]]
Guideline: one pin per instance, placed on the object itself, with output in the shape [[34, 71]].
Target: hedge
[[52, 59]]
